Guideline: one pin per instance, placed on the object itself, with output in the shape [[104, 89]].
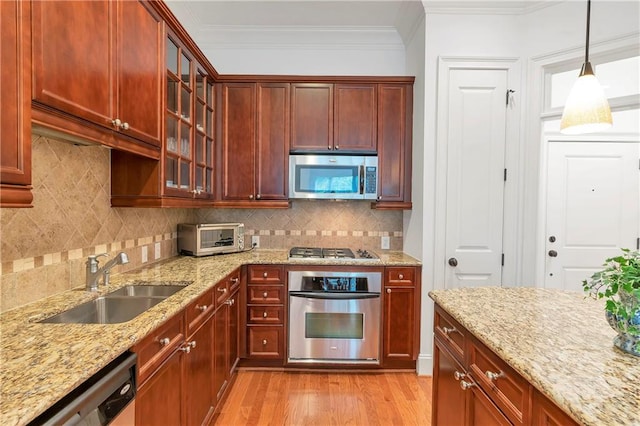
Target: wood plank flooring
[[319, 398]]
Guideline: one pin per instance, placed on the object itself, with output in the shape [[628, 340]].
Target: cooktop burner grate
[[330, 253]]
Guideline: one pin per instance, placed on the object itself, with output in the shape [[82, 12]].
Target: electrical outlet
[[255, 241], [384, 243], [156, 255], [145, 254]]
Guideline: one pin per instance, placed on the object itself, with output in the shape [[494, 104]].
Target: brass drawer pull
[[164, 341], [201, 308], [265, 294], [400, 276], [264, 274], [264, 315], [264, 342], [447, 330], [222, 290], [466, 385], [458, 375]]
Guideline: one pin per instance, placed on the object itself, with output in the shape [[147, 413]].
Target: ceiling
[[204, 15]]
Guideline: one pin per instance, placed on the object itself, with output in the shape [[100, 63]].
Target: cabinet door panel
[[220, 351], [238, 133], [159, 401], [15, 116], [482, 411], [394, 142], [272, 150], [399, 333], [72, 58], [311, 117], [232, 333], [139, 70], [355, 117], [448, 396], [199, 371]]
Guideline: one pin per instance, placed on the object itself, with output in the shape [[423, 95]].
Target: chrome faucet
[[93, 272]]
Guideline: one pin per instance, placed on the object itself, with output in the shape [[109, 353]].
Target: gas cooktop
[[331, 253]]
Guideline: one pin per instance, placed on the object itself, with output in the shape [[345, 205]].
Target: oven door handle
[[334, 296]]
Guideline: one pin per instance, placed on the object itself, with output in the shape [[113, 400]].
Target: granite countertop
[[41, 363], [560, 342]]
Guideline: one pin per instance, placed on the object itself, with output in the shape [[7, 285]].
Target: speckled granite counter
[[41, 363], [560, 342]]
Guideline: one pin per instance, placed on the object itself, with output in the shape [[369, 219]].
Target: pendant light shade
[[587, 109]]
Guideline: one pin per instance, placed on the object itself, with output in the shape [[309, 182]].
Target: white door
[[476, 128], [593, 208]]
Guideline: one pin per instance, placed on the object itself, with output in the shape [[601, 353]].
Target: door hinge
[[502, 261], [509, 92], [638, 243], [505, 175]]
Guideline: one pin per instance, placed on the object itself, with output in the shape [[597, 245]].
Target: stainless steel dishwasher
[[107, 398]]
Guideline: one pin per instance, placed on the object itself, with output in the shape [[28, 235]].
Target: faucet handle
[[96, 256]]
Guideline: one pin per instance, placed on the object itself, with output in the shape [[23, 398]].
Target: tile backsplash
[[43, 250]]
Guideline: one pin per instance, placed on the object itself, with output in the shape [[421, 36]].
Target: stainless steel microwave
[[204, 239], [341, 177]]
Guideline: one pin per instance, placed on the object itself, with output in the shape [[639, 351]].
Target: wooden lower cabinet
[[448, 396], [199, 396], [159, 399], [401, 309], [473, 386], [181, 381], [546, 413]]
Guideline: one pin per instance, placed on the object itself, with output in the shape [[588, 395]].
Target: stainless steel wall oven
[[334, 317]]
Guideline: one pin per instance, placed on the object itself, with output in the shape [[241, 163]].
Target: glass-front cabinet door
[[188, 165], [203, 165]]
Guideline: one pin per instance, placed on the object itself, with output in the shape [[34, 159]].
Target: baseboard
[[425, 365]]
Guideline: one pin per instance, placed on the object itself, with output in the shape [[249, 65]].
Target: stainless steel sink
[[146, 291], [106, 310]]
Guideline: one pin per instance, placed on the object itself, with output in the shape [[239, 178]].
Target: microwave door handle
[[361, 180]]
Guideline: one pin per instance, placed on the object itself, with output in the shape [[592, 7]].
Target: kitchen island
[[559, 342], [41, 363]]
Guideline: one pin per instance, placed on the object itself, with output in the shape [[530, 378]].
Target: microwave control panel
[[370, 180]]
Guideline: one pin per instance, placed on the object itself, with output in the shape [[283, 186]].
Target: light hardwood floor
[[304, 398]]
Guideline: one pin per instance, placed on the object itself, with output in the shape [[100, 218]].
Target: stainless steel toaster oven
[[203, 239]]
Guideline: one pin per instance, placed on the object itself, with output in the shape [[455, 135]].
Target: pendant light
[[587, 109]]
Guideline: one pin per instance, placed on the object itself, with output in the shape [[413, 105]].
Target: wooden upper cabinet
[[355, 117], [238, 116], [99, 62], [253, 152], [395, 110], [272, 149], [139, 70], [73, 60], [311, 117], [15, 125]]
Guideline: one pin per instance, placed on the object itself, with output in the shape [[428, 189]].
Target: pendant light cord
[[586, 50]]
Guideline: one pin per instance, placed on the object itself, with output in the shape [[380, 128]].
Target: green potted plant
[[619, 283]]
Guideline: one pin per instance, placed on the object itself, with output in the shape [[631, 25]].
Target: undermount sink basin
[[106, 310], [146, 291]]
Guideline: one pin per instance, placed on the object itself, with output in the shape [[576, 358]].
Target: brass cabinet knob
[[466, 385], [388, 290], [201, 307], [264, 294], [164, 341], [264, 342], [264, 315], [400, 276], [265, 275]]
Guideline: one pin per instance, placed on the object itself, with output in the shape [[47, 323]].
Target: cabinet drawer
[[265, 341], [260, 294], [198, 311], [266, 274], [158, 345], [510, 391], [400, 276], [452, 333], [265, 314]]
